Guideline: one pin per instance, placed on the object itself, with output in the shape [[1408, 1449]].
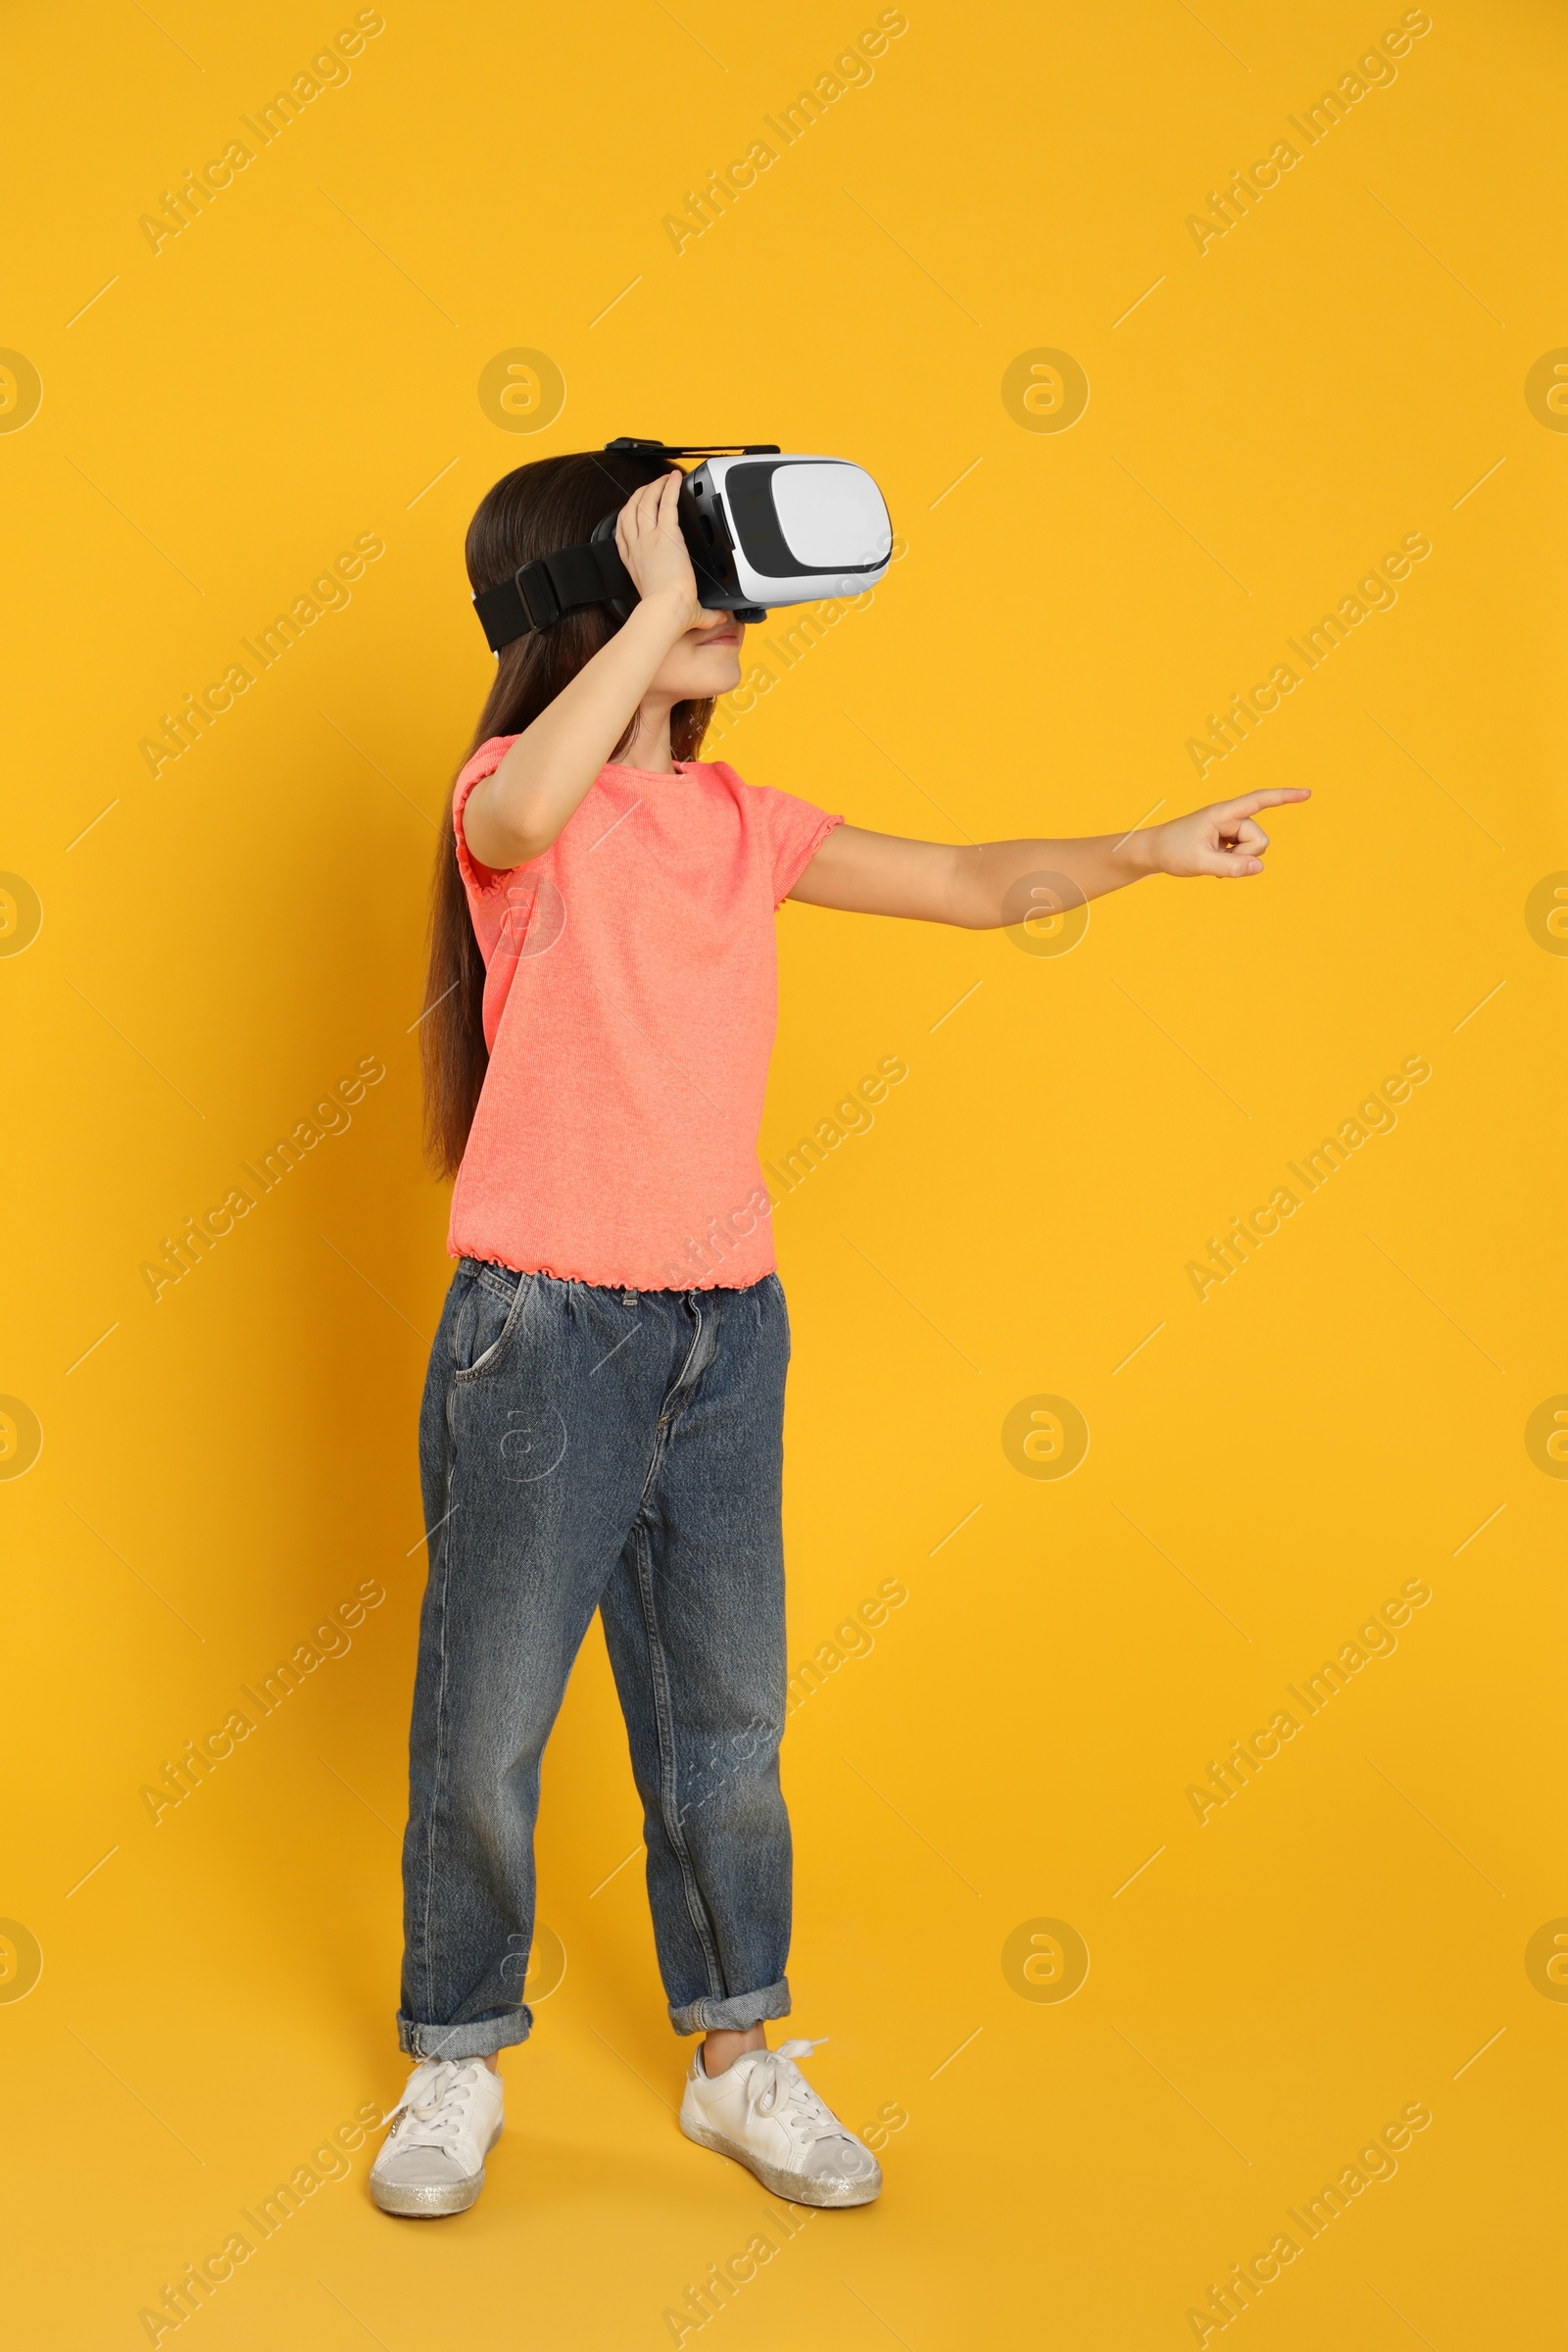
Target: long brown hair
[[536, 511]]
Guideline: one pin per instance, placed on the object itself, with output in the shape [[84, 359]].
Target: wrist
[[668, 611], [1141, 851]]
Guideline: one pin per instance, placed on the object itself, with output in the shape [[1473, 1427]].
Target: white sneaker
[[448, 2119], [763, 2112]]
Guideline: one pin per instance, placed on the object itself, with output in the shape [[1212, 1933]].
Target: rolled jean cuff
[[480, 2039], [736, 2014]]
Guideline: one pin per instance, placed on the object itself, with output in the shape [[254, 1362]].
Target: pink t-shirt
[[630, 1009]]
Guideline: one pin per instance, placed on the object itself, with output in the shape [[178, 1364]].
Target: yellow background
[[298, 368]]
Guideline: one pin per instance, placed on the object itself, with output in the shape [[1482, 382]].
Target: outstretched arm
[[979, 887]]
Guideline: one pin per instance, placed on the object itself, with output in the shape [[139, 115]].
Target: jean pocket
[[487, 1321]]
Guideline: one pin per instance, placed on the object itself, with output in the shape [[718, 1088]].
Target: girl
[[601, 1421]]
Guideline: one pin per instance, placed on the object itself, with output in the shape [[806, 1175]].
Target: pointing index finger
[[1250, 801]]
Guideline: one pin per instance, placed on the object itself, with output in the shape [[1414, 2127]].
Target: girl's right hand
[[649, 542]]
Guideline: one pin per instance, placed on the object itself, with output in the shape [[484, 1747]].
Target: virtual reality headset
[[762, 528]]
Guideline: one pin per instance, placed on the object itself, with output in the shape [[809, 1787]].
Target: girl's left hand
[[1223, 841]]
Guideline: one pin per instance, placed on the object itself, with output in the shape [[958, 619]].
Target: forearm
[[515, 815], [993, 879]]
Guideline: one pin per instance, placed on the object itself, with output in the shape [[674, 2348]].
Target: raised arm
[[983, 887], [515, 815]]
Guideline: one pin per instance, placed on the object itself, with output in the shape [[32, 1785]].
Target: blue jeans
[[584, 1449]]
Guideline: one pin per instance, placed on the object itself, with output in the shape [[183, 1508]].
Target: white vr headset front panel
[[801, 526]]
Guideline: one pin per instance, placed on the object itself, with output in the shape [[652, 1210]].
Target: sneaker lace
[[775, 2085], [432, 2110]]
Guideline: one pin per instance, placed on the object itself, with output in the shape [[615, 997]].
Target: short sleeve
[[796, 830], [477, 878]]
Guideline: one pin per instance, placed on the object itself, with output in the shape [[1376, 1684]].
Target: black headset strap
[[542, 591], [693, 449]]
